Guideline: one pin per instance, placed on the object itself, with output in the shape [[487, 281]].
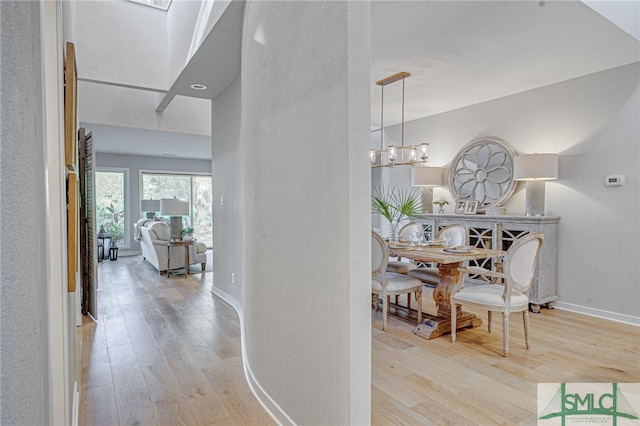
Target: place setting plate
[[458, 250], [398, 246]]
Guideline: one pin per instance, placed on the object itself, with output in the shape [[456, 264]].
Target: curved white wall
[[300, 250]]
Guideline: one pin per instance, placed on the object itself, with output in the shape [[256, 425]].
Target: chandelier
[[397, 155]]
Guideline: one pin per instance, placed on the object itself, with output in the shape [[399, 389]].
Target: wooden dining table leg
[[449, 276]]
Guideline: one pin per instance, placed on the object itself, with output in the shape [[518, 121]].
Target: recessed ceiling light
[[198, 86]]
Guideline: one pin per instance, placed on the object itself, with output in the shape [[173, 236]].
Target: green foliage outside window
[[110, 209], [197, 190]]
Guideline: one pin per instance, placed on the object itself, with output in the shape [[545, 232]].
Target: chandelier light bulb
[[424, 151], [392, 153], [412, 154]]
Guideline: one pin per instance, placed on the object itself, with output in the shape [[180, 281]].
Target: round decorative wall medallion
[[483, 171]]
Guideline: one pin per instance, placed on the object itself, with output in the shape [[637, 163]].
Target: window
[[196, 189], [111, 204]]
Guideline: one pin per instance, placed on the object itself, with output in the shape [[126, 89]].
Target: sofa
[[153, 236]]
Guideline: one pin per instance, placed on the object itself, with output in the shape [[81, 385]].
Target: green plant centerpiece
[[395, 205], [441, 202], [186, 234]]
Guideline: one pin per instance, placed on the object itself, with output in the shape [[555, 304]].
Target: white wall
[[228, 199], [36, 329], [133, 40], [592, 123], [119, 106], [291, 170], [181, 20]]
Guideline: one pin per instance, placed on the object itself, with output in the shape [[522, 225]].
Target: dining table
[[448, 261]]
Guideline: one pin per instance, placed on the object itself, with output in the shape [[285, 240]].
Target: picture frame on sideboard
[[471, 207]]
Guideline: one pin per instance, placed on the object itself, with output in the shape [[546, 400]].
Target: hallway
[[164, 352]]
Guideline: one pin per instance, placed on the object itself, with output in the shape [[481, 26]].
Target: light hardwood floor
[[424, 382], [167, 352]]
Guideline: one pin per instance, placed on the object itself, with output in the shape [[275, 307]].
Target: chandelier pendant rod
[[402, 135], [392, 152], [382, 123]]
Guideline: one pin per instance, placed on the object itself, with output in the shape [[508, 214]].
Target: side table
[[178, 243]]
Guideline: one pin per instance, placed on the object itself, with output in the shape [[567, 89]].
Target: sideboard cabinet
[[499, 232]]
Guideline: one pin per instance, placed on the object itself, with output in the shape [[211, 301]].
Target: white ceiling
[[463, 53], [156, 143], [459, 53]]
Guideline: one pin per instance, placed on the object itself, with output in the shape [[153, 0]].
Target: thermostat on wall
[[617, 180]]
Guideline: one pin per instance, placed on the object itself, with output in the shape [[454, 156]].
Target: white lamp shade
[[174, 207], [535, 167], [150, 205], [426, 176]]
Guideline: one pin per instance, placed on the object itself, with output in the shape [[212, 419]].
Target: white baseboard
[[75, 407], [599, 313], [270, 406]]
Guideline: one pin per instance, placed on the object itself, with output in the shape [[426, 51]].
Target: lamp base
[[534, 205], [176, 227], [426, 193]]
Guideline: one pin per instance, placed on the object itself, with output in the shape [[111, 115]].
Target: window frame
[[127, 204]]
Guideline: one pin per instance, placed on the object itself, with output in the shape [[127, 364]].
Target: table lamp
[[176, 209], [150, 207], [426, 178], [535, 169]]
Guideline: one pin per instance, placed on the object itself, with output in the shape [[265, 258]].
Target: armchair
[[154, 238], [386, 284], [510, 294]]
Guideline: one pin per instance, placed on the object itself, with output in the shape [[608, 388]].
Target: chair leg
[[204, 266], [505, 334], [525, 319], [489, 321], [385, 309], [419, 299], [453, 322], [408, 300]]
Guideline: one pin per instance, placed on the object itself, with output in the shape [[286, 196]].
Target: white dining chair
[[398, 266], [509, 294], [454, 235], [385, 284]]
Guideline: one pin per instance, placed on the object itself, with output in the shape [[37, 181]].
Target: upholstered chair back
[[160, 230], [456, 234], [520, 261], [407, 230], [379, 255]]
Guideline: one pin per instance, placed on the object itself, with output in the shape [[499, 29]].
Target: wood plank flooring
[[434, 382], [166, 351]]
